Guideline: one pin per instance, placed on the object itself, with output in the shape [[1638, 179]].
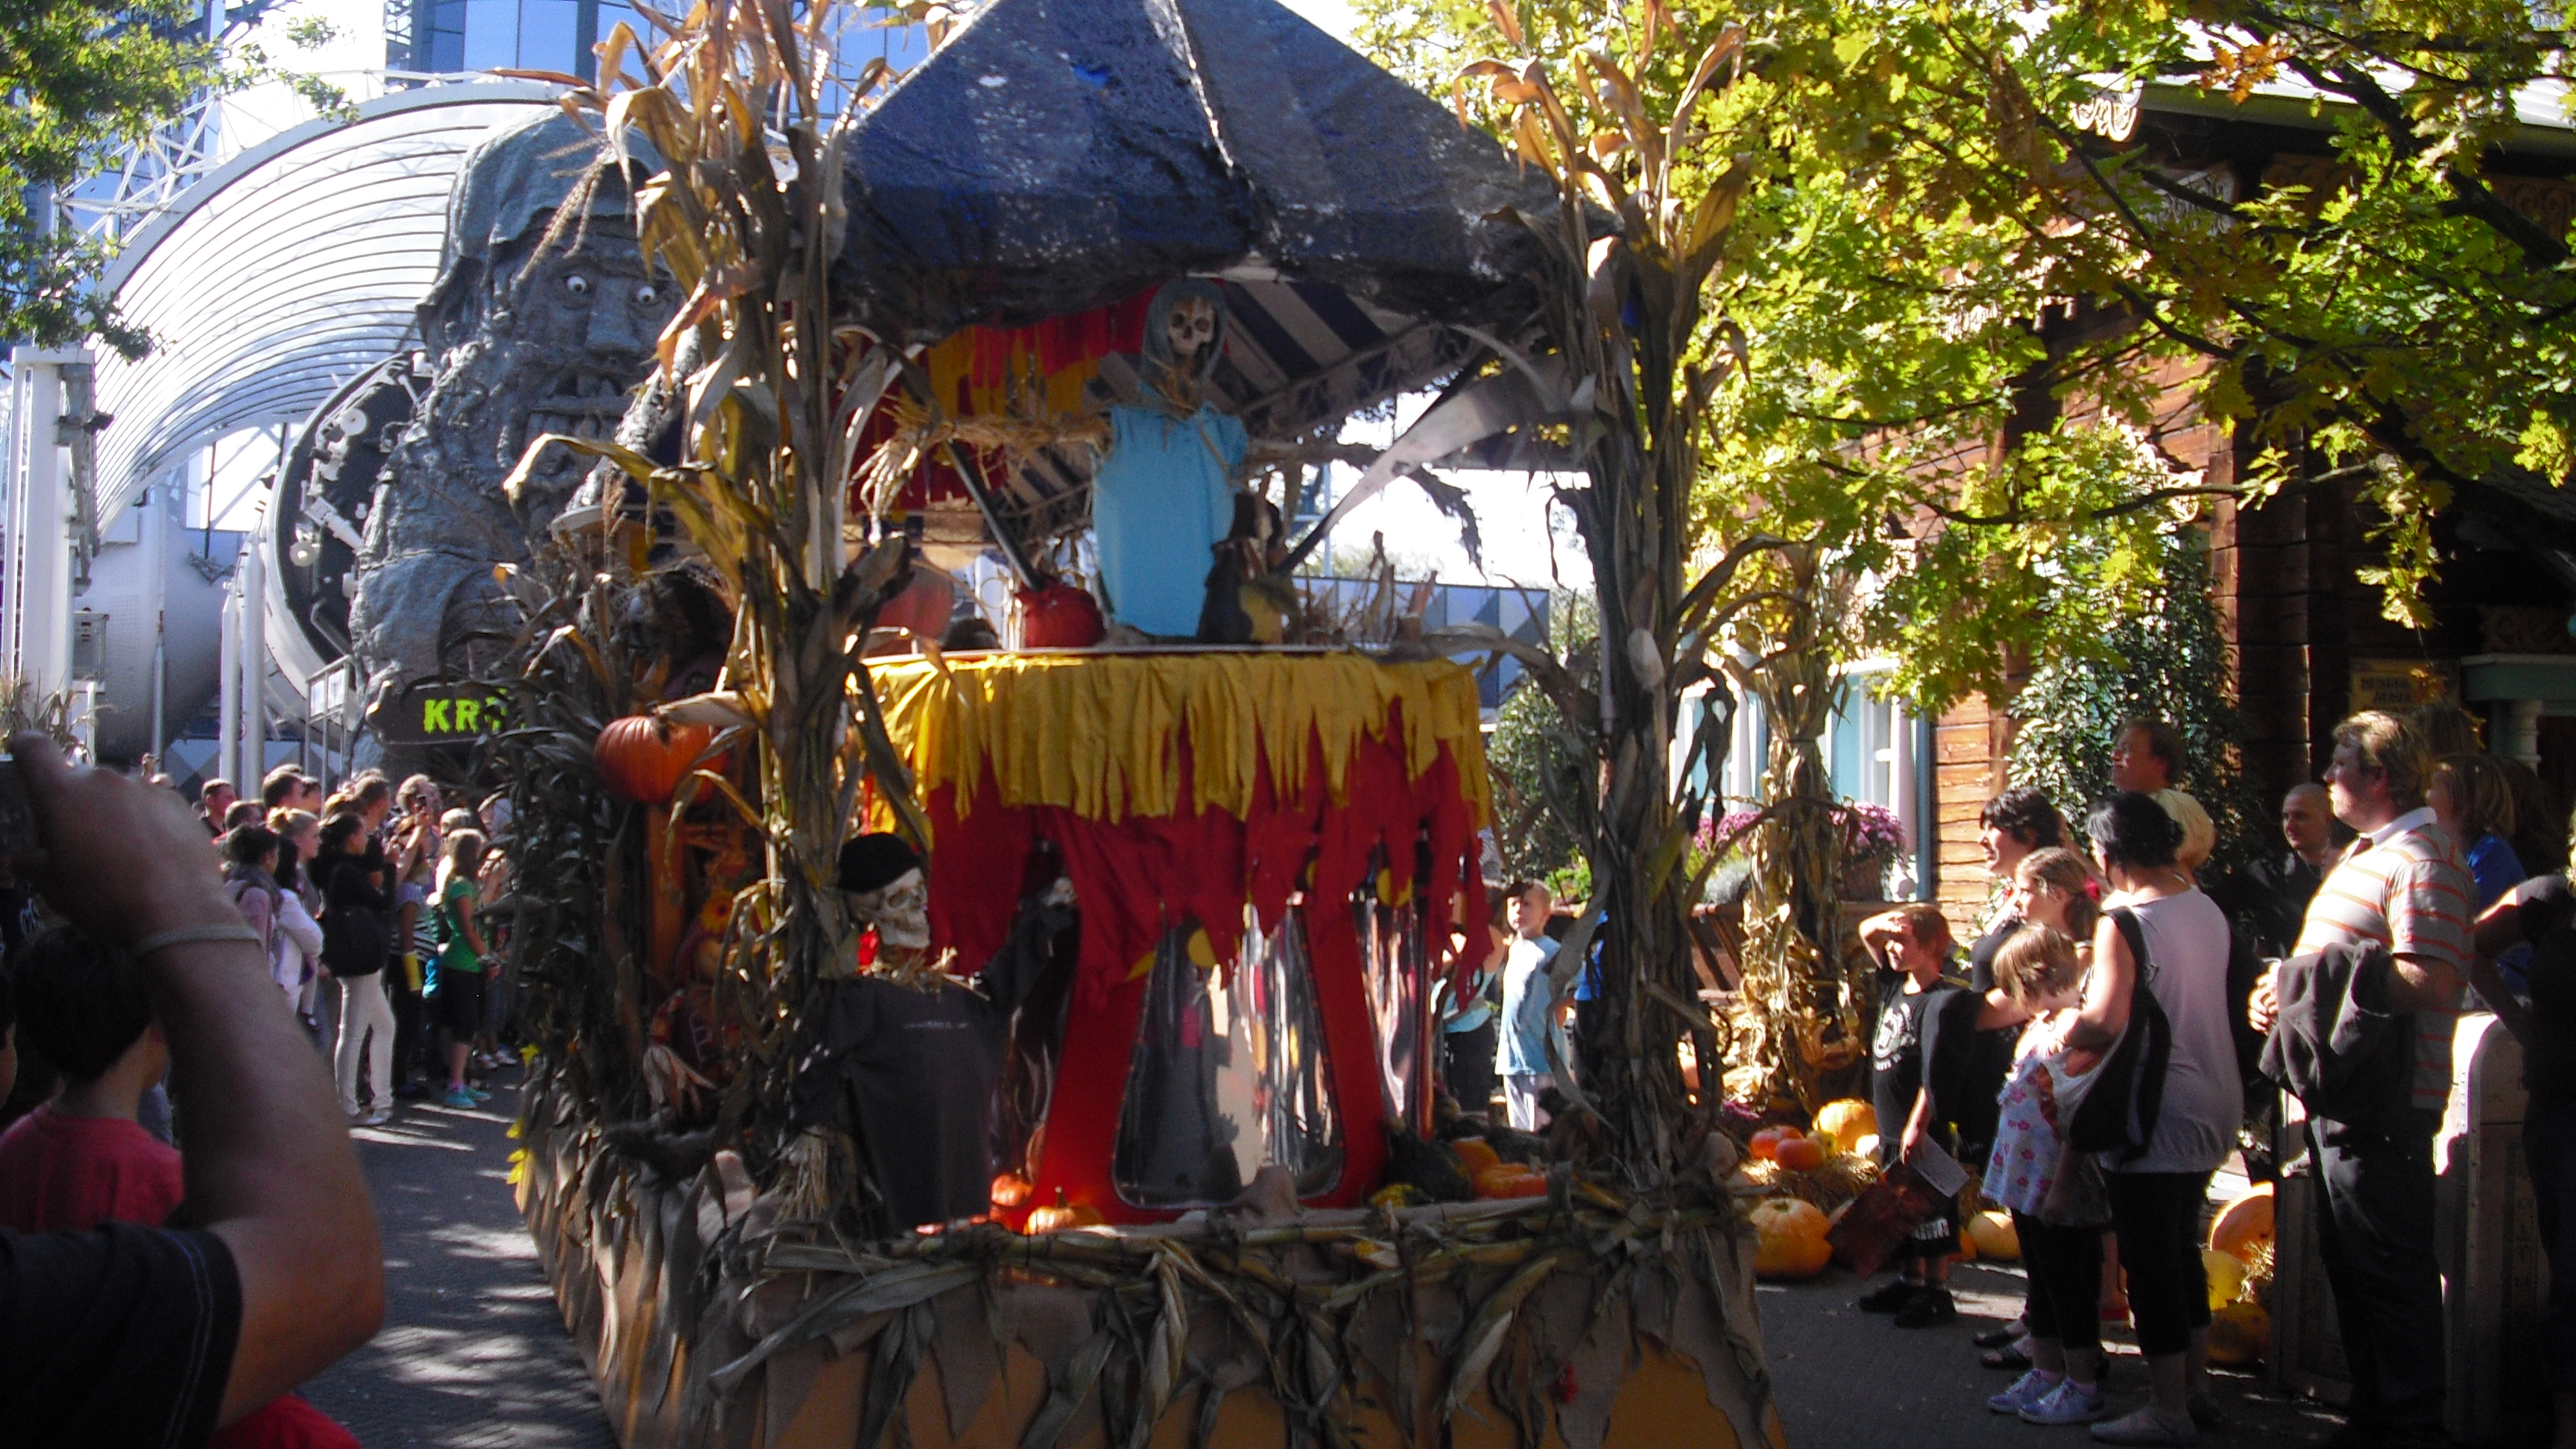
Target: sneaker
[[479, 1094], [376, 1117], [1887, 1299], [1928, 1308], [2145, 1426], [2205, 1412], [460, 1097], [2068, 1403], [2027, 1390], [413, 1088]]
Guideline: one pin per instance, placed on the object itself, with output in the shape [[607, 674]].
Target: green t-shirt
[[456, 953]]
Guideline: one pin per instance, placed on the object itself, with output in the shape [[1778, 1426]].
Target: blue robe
[[1161, 497]]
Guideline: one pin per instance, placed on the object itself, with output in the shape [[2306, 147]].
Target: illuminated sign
[[438, 714]]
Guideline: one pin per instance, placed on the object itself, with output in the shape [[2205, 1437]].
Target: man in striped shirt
[[2401, 885]]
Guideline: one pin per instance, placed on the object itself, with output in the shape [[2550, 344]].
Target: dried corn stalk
[[743, 105]]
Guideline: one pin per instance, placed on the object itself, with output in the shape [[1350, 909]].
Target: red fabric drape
[[1137, 878]]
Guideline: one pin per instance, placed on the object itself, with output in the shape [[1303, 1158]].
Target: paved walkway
[[1853, 1380], [473, 1355]]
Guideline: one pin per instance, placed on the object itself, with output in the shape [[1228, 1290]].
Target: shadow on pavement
[[472, 1354], [1853, 1380]]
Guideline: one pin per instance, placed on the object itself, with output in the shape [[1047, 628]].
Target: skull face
[[1190, 328], [900, 910]]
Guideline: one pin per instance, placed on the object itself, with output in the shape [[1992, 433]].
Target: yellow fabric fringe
[[1096, 734]]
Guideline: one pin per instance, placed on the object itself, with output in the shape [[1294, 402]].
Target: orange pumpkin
[[1501, 1180], [2244, 1223], [642, 758], [1790, 1238], [1528, 1184], [1799, 1154], [1474, 1155], [1063, 1215], [1766, 1144], [1846, 1122], [1010, 1190]]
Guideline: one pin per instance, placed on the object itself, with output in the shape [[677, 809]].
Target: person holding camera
[[139, 1336]]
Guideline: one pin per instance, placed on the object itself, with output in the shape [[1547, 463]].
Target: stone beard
[[518, 348]]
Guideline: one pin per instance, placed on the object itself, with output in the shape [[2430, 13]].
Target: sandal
[[2010, 1356], [1998, 1337]]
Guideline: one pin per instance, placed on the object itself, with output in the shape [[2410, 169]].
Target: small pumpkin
[[2245, 1222], [642, 758], [2239, 1334], [1063, 1215], [1847, 1121], [1474, 1155], [1502, 1179], [1994, 1236], [1790, 1239], [921, 608], [1766, 1144], [1799, 1154], [1010, 1190], [1866, 1149]]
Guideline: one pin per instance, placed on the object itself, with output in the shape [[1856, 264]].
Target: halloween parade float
[[980, 917]]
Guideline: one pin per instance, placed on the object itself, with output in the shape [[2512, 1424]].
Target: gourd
[[1799, 1154], [2239, 1333], [1010, 1190], [1847, 1121], [1766, 1144], [2245, 1222], [1474, 1155], [1994, 1236], [642, 758], [2226, 1275], [1790, 1238], [1509, 1179], [1063, 1215]]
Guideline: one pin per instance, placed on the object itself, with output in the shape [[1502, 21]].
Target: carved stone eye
[[646, 294], [578, 285]]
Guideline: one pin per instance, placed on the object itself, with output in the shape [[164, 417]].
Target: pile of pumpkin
[[1795, 1181], [1492, 1175], [2239, 1263]]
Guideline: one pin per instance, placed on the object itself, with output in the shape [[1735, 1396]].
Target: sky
[[1333, 17], [1529, 540]]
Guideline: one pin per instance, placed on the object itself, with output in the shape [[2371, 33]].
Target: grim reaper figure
[[542, 321]]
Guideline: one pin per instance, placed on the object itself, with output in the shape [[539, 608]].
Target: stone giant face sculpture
[[543, 320]]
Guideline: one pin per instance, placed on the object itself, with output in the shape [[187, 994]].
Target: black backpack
[[2118, 1113]]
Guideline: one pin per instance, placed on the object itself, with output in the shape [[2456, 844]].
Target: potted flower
[[1872, 837]]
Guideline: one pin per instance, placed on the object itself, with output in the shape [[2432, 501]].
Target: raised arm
[[272, 1174]]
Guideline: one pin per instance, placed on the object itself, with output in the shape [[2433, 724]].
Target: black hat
[[873, 862]]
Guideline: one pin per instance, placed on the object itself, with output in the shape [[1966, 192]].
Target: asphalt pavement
[[472, 1354]]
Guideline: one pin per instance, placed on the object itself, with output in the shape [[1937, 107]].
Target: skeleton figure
[[1163, 491], [542, 320], [1184, 336], [900, 911]]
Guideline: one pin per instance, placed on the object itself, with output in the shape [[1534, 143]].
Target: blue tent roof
[[1059, 154]]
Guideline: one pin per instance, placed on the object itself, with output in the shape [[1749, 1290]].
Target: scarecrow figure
[[905, 1056], [1163, 493]]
